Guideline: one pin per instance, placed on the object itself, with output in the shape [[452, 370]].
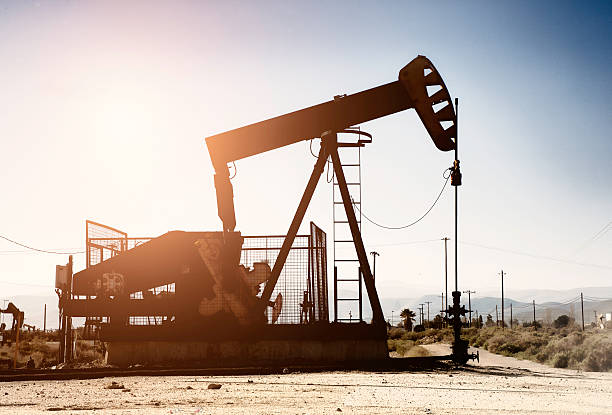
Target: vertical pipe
[[360, 278], [68, 318], [446, 276], [496, 316], [456, 192], [582, 308], [502, 298], [470, 306], [18, 328], [441, 308], [335, 293], [535, 326]]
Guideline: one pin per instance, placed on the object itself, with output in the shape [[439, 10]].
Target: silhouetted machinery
[[9, 336], [216, 300]]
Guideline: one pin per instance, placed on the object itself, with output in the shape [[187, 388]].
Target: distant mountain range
[[549, 305]]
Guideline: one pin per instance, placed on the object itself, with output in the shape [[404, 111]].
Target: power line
[[597, 298], [595, 237], [410, 224], [40, 250], [27, 251], [25, 284], [405, 243], [493, 248]]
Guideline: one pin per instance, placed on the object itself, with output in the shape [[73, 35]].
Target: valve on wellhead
[[455, 174]]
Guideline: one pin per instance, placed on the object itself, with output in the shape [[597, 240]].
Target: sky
[[105, 107]]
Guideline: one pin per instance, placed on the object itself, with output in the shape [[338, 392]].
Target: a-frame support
[[329, 147]]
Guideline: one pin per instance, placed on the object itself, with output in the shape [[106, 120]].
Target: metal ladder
[[343, 276]]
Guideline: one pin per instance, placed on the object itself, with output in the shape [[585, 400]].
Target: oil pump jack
[[215, 310], [325, 121]]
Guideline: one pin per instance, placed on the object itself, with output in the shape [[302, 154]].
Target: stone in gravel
[[114, 385], [214, 386]]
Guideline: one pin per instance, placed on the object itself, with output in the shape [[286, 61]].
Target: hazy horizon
[[105, 107]]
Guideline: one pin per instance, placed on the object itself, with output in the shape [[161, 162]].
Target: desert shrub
[[87, 351], [411, 335], [542, 356], [509, 349], [395, 333], [598, 353], [400, 346], [561, 321], [416, 351], [560, 360]]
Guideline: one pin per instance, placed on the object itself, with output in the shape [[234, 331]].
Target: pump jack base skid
[[408, 364]]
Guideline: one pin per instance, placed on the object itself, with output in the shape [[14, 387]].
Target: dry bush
[[395, 333], [400, 346], [416, 351], [86, 352]]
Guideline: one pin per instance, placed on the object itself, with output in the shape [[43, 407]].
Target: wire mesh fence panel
[[104, 242], [293, 280], [318, 273], [302, 284]]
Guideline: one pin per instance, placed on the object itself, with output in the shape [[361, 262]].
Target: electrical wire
[[404, 243], [594, 238], [235, 170], [40, 250], [589, 298], [447, 177], [329, 163], [25, 284], [565, 261]]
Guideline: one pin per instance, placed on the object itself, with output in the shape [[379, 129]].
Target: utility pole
[[427, 302], [392, 318], [510, 316], [445, 239], [502, 297], [441, 311], [374, 255], [534, 319], [469, 293], [582, 307], [496, 316], [421, 313], [45, 319]]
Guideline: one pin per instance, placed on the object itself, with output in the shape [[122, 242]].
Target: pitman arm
[[410, 91]]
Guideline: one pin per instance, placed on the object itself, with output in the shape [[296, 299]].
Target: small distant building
[[603, 320]]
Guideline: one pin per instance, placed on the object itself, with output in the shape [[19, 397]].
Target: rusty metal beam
[[307, 123]]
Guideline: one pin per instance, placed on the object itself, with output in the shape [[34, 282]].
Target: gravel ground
[[495, 385]]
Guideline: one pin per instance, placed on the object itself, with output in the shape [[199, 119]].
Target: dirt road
[[495, 385]]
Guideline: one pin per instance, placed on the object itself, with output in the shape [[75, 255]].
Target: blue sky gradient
[[105, 106]]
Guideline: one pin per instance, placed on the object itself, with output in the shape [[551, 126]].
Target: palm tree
[[408, 316]]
